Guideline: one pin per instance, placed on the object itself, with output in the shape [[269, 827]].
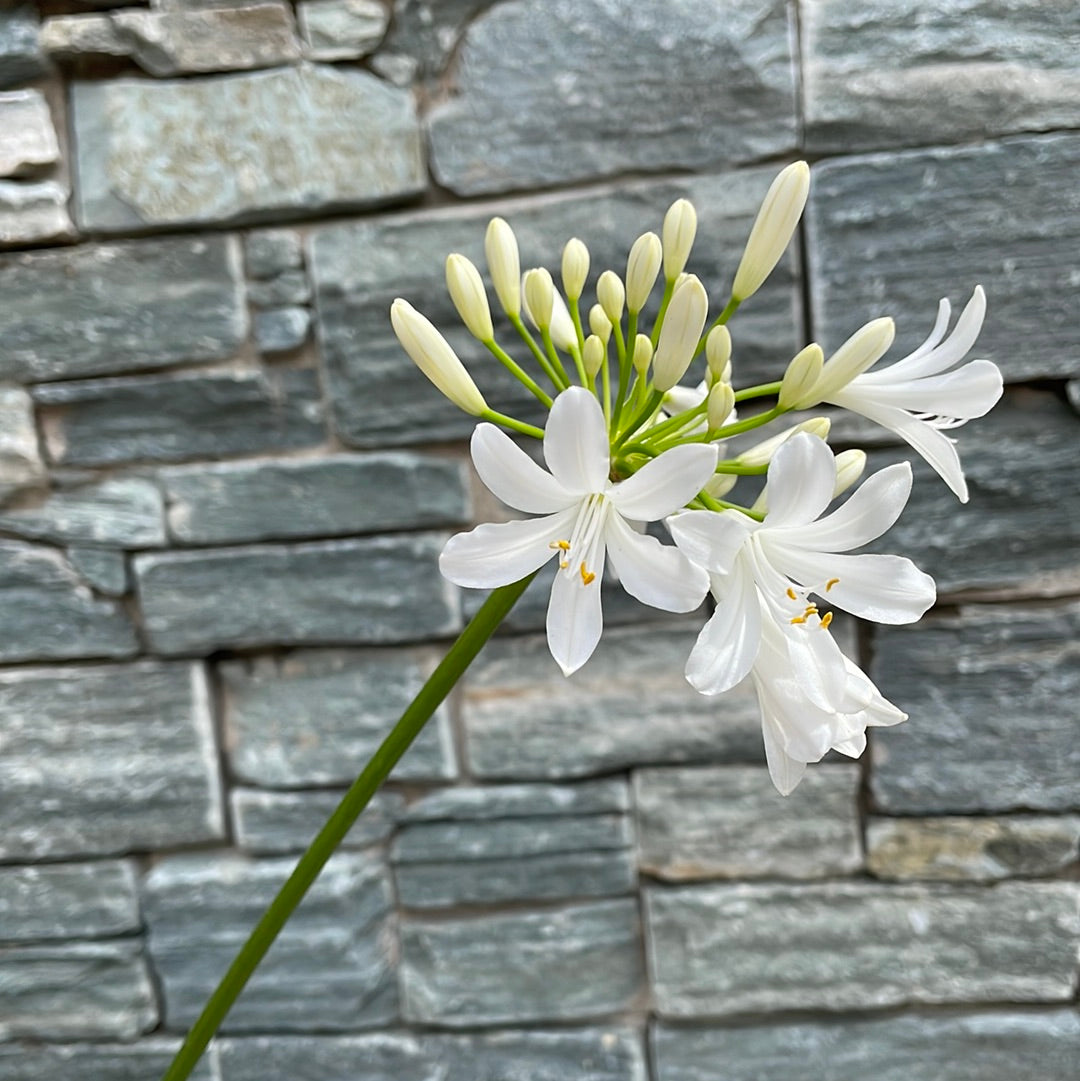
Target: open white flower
[[586, 517]]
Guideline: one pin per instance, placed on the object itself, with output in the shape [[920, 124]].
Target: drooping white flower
[[587, 517]]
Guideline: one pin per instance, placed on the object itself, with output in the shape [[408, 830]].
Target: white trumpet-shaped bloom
[[586, 518]]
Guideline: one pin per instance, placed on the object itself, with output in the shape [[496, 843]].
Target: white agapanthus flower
[[587, 517]]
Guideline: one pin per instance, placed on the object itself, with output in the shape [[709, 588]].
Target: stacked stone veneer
[[225, 490]]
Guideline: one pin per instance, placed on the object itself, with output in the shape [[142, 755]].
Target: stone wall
[[226, 488]]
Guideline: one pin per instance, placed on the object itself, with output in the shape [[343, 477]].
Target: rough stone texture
[[240, 147], [994, 1046], [97, 1061], [742, 948], [105, 758], [520, 801], [281, 330], [882, 73], [316, 716], [21, 466], [891, 233], [56, 615], [76, 990], [81, 37], [33, 213], [331, 967], [422, 36], [174, 418], [20, 55], [992, 693], [68, 900], [129, 305], [290, 287], [540, 73], [522, 966], [729, 822], [971, 849], [341, 29], [270, 252], [359, 268], [27, 137], [372, 591], [101, 568]]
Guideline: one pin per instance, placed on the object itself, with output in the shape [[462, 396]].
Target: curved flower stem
[[514, 423], [760, 391], [538, 353], [519, 373], [665, 300], [460, 655]]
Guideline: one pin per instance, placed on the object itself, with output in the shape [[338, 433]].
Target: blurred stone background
[[225, 490]]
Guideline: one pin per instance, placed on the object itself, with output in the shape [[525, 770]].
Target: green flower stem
[[538, 353], [678, 421], [734, 468], [460, 655], [726, 432], [710, 503], [651, 405], [605, 379], [553, 355], [519, 373], [762, 390], [575, 317], [514, 423], [731, 308], [665, 300]]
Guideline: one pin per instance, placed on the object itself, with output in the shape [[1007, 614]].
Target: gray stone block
[[33, 213], [173, 418], [687, 70], [522, 966], [21, 466], [737, 949], [288, 287], [81, 37], [729, 822], [21, 58], [341, 29], [372, 591], [422, 36], [154, 154], [68, 900], [359, 268], [992, 693], [281, 330], [331, 968], [270, 252], [102, 569], [888, 234], [971, 849], [129, 304], [139, 1061], [315, 717], [102, 759], [27, 137], [525, 801]]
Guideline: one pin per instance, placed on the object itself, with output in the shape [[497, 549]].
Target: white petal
[[801, 477], [576, 445], [969, 391], [655, 573], [512, 476], [728, 644], [575, 618], [853, 746], [681, 398], [786, 772], [666, 483], [496, 554], [711, 539]]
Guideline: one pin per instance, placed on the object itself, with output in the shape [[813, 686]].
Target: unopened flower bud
[[680, 227], [761, 453], [643, 354], [866, 346], [849, 468], [501, 249], [802, 373], [720, 485], [593, 355], [680, 334], [538, 293], [611, 295], [467, 292], [432, 354], [599, 323], [642, 267], [575, 268], [772, 229], [721, 403], [718, 354]]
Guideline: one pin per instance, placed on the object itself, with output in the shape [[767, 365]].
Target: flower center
[[586, 540], [810, 610]]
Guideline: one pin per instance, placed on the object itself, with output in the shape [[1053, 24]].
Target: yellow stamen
[[830, 583], [792, 594], [563, 564], [811, 610], [563, 546], [797, 619], [586, 576], [826, 619]]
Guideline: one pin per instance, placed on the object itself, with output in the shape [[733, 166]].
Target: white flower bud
[[761, 453], [593, 355], [721, 484], [599, 323], [680, 334], [866, 346], [538, 293], [849, 468], [680, 228], [467, 292], [575, 268], [501, 249], [432, 354], [721, 403], [642, 266], [718, 354], [802, 373], [643, 354], [611, 294], [773, 229]]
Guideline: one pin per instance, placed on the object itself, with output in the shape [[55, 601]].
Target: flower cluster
[[627, 443]]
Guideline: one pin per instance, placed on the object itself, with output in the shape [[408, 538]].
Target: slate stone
[[68, 900], [992, 693], [517, 967], [542, 74], [888, 234], [148, 1058], [735, 949], [33, 213], [372, 591], [341, 29], [315, 717], [270, 252], [971, 849], [331, 968], [101, 759], [102, 569], [27, 137], [76, 990], [129, 304], [20, 55], [526, 801], [281, 330], [288, 287], [422, 36], [729, 822], [172, 418], [883, 74], [994, 1046], [21, 466], [360, 268], [56, 615], [241, 147], [81, 37]]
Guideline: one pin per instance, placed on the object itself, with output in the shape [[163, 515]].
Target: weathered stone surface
[[173, 418], [101, 568], [32, 213], [341, 29], [995, 1046], [290, 287], [97, 1061], [743, 948], [882, 74], [27, 137], [691, 67], [277, 822], [316, 716], [992, 693], [359, 268], [527, 801], [106, 758], [79, 37], [971, 849], [331, 967], [372, 591], [281, 330], [67, 900], [128, 305], [21, 466], [76, 990], [729, 822], [240, 147], [422, 36], [522, 966], [56, 615], [270, 252], [339, 495], [20, 55], [890, 233], [121, 512]]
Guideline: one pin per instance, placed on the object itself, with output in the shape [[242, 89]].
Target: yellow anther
[[563, 546], [826, 619], [811, 609], [792, 594], [797, 619], [563, 564], [830, 583], [586, 576]]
